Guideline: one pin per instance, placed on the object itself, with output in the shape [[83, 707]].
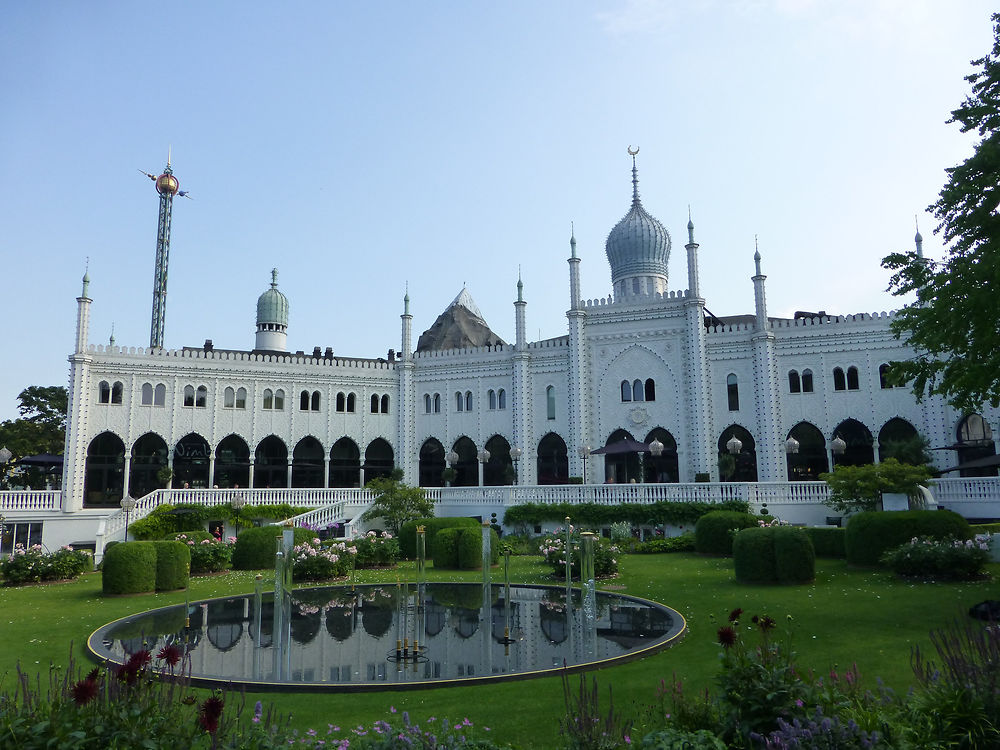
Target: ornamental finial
[[635, 175], [274, 278]]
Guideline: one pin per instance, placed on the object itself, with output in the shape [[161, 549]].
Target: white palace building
[[786, 398]]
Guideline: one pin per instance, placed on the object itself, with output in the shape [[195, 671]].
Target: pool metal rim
[[262, 686]]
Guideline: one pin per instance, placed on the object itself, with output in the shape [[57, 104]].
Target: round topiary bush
[[462, 547], [794, 555], [446, 548], [827, 542], [173, 565], [870, 534], [713, 531], [255, 547], [129, 568], [753, 555]]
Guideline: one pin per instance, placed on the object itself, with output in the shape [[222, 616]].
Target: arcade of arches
[[150, 464]]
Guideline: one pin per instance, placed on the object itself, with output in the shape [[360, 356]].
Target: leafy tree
[[396, 502], [913, 450], [954, 324], [40, 429], [857, 488]]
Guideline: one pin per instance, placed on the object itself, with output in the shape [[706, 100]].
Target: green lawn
[[846, 616]]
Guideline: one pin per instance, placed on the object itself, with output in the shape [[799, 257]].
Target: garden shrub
[[682, 543], [872, 533], [160, 523], [753, 555], [173, 565], [129, 568], [939, 559], [432, 525], [255, 546], [794, 556], [462, 548], [827, 542], [713, 531], [33, 564], [208, 554], [605, 556], [196, 535], [376, 550], [320, 561], [595, 515], [446, 548], [678, 739]]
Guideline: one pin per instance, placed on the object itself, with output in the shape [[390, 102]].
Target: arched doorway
[[270, 463], [499, 470], [553, 461], [232, 463], [308, 463], [975, 441], [621, 468], [379, 459], [900, 440], [191, 456], [662, 468], [345, 464], [467, 466], [149, 458], [432, 463], [104, 480], [860, 450], [741, 466], [810, 461]]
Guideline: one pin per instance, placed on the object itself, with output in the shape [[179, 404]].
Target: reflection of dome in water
[[340, 622], [435, 618], [376, 620], [225, 623], [468, 621], [305, 627], [553, 623]]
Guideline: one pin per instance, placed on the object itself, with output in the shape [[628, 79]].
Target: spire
[[917, 239], [690, 227], [756, 254], [406, 300], [274, 278], [86, 284], [635, 176], [520, 286], [572, 243], [111, 341]]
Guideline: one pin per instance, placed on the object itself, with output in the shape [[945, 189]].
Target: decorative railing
[[30, 500], [966, 490]]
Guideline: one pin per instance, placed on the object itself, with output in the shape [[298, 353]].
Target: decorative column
[[521, 396], [576, 398], [770, 456], [77, 409]]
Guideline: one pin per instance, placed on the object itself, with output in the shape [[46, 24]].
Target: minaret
[[692, 249], [574, 272], [407, 342], [759, 298], [75, 447], [167, 186], [770, 445], [521, 393], [918, 240], [407, 399], [576, 380], [520, 324], [272, 319]]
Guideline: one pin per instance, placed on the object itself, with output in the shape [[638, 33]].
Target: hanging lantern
[[791, 445], [838, 446], [734, 445]]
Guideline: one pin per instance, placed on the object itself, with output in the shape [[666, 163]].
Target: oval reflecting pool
[[393, 636]]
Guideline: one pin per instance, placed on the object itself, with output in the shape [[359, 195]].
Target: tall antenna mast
[[167, 186]]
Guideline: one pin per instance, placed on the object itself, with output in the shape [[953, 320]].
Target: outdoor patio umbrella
[[623, 446]]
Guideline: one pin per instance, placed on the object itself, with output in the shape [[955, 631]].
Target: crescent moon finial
[[631, 152]]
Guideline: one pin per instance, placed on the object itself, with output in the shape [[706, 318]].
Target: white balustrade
[[31, 500]]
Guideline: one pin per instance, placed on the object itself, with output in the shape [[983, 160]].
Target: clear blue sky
[[361, 146]]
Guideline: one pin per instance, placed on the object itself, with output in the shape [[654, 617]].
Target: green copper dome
[[272, 305]]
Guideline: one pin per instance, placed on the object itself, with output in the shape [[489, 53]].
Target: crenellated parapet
[[635, 299], [469, 351], [234, 356]]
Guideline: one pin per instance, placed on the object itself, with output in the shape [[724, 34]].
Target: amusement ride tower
[[167, 186]]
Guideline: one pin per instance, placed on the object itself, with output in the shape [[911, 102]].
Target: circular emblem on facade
[[638, 415]]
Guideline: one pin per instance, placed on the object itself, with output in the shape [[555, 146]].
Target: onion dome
[[272, 305], [639, 245]]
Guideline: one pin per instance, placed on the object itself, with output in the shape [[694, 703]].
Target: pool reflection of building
[[336, 636]]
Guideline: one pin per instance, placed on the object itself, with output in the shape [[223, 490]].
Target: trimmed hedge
[[408, 533], [595, 515], [129, 568], [462, 547], [872, 533], [255, 546], [173, 565], [827, 542], [773, 554], [712, 532], [197, 535], [161, 523]]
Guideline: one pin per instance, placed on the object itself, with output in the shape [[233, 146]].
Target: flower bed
[[605, 556], [376, 551], [939, 559], [208, 555], [318, 561], [33, 564]]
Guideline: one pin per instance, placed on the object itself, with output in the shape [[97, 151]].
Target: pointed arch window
[[374, 403], [241, 398], [116, 392], [839, 381], [550, 402], [626, 391], [459, 401], [268, 398], [201, 397], [104, 392], [314, 402], [501, 399], [279, 400], [160, 395], [147, 394], [229, 398], [807, 381], [189, 395], [304, 401], [385, 403], [637, 390], [468, 400], [733, 392], [650, 389], [341, 402], [351, 402], [852, 378], [883, 376], [437, 403], [794, 382], [492, 399], [427, 403]]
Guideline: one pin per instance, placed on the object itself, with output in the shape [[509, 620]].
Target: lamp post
[[128, 505], [237, 501], [515, 454], [584, 451]]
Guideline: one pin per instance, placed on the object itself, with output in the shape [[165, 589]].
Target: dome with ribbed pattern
[[639, 245], [272, 305]]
